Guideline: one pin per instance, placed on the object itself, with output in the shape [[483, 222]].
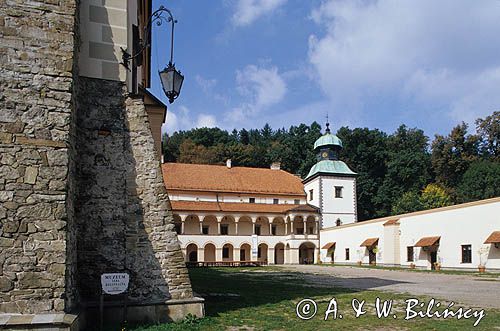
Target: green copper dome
[[328, 139], [333, 167]]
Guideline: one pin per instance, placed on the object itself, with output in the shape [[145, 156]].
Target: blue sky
[[376, 64]]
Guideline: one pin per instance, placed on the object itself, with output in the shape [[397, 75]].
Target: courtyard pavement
[[478, 292]]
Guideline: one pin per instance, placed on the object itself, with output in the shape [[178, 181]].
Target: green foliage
[[480, 181], [392, 168], [409, 202], [432, 196]]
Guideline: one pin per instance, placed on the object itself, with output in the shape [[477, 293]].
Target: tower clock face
[[324, 155]]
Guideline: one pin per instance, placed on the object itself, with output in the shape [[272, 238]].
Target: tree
[[408, 167], [480, 181], [452, 155], [407, 203], [434, 196], [489, 132]]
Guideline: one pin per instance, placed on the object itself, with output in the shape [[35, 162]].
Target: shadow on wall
[[122, 215]]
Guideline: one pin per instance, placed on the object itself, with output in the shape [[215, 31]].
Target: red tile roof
[[329, 245], [369, 242], [494, 238], [240, 207], [216, 178], [427, 241], [394, 221]]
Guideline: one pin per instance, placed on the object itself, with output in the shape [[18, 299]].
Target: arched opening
[[227, 252], [228, 225], [306, 253], [298, 225], [278, 226], [262, 226], [210, 225], [310, 225], [245, 226], [279, 253], [262, 252], [192, 225], [245, 251], [209, 253], [192, 253], [177, 224]]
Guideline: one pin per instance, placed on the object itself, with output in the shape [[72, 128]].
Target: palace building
[[226, 213]]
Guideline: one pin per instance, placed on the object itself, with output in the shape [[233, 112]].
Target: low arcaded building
[[225, 213]]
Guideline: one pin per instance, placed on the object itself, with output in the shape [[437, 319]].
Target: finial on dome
[[327, 124]]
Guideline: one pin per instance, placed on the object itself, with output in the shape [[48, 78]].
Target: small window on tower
[[311, 195], [338, 191]]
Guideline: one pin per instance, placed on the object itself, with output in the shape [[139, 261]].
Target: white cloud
[[435, 52], [182, 119], [247, 11], [261, 87], [206, 121], [208, 88]]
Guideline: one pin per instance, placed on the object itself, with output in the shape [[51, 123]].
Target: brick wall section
[[37, 256], [124, 222]]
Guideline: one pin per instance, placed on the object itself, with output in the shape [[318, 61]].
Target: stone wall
[[37, 253], [123, 212]]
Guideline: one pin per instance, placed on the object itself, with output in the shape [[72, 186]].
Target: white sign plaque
[[115, 283]]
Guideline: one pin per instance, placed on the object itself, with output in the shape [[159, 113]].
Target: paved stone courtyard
[[480, 292]]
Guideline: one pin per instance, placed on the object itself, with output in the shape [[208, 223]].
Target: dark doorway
[[193, 256], [433, 260], [372, 256], [242, 255], [332, 255]]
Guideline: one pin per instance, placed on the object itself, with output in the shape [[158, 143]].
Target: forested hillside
[[398, 172]]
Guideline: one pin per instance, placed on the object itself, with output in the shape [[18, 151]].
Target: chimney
[[228, 163], [275, 166]]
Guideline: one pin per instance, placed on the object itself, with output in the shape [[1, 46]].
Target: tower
[[330, 184]]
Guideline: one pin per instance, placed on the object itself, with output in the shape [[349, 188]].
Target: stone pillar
[[236, 226], [201, 226], [286, 228], [236, 253], [270, 255], [201, 254], [294, 256], [270, 227], [305, 226], [218, 254]]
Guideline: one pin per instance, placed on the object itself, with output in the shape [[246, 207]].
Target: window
[[257, 229], [225, 252], [224, 229], [273, 230], [251, 200], [338, 191], [338, 222], [311, 195], [177, 228], [466, 253], [409, 253], [276, 201], [204, 230], [347, 257], [296, 202]]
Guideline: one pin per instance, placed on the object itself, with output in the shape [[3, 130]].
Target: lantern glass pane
[[167, 79], [178, 79]]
